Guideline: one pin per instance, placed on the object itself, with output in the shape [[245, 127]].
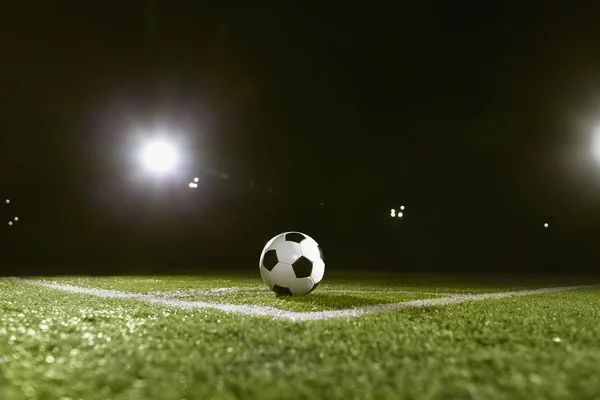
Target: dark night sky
[[476, 117]]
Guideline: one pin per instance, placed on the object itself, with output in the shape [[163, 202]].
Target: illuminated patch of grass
[[58, 345], [316, 301]]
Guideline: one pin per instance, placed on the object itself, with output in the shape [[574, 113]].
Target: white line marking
[[182, 293], [276, 313], [390, 291], [204, 292]]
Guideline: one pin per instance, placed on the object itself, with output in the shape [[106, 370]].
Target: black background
[[476, 117]]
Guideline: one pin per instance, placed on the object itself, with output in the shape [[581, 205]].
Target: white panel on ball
[[302, 286], [310, 249], [266, 277], [288, 252], [274, 242], [283, 275], [318, 270]]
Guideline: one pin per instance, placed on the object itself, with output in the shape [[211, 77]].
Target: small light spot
[[536, 379], [139, 383], [16, 218], [7, 201], [10, 223], [402, 207], [28, 390], [400, 215], [546, 225], [557, 340], [196, 179]]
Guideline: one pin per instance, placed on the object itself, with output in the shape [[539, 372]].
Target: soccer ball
[[292, 264]]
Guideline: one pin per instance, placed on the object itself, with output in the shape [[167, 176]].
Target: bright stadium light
[[159, 156]]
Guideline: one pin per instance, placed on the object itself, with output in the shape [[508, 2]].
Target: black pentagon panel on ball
[[270, 260], [313, 288], [282, 291], [294, 237], [302, 267]]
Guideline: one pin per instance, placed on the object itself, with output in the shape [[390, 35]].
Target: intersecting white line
[[276, 313]]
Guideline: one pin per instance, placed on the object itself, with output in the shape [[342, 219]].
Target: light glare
[[159, 156]]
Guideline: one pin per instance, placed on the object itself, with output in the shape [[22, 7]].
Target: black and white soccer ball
[[291, 264]]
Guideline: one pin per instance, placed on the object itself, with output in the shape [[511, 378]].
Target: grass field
[[403, 337]]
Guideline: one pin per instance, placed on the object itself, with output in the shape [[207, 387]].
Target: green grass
[[250, 291], [350, 281], [315, 302], [57, 345], [145, 284]]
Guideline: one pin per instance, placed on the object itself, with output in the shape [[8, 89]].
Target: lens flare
[[159, 156]]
